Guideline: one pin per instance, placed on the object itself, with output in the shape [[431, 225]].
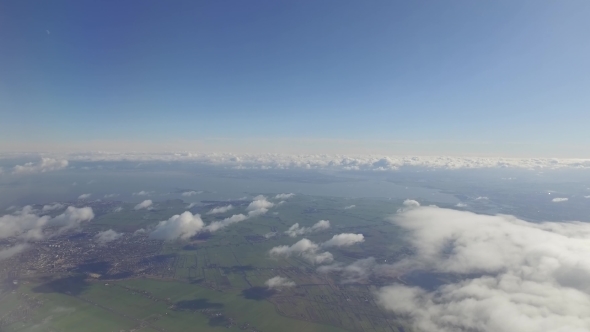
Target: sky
[[502, 78]]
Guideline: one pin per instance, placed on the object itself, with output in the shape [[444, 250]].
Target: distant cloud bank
[[45, 165], [328, 162]]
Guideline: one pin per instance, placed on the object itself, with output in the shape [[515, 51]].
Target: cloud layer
[[510, 275], [333, 162]]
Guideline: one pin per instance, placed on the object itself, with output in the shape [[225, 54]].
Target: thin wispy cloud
[[221, 209], [84, 196], [147, 204]]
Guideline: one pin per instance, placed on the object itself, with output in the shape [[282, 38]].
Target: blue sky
[[447, 77]]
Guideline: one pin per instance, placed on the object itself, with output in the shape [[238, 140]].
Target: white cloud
[[191, 205], [295, 230], [559, 199], [28, 225], [51, 207], [481, 198], [509, 274], [270, 234], [587, 196], [349, 207], [181, 226], [279, 283], [409, 204], [259, 204], [284, 196], [110, 195], [140, 231], [305, 249], [220, 209], [84, 196], [344, 240], [147, 204], [11, 251], [118, 209], [72, 217], [143, 193], [45, 165], [217, 225], [257, 207], [336, 162], [190, 193], [107, 236], [461, 205]]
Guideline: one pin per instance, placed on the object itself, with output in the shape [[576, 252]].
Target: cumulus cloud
[[349, 207], [27, 225], [295, 230], [143, 193], [284, 196], [279, 282], [559, 199], [84, 196], [220, 209], [305, 249], [508, 274], [51, 207], [118, 209], [191, 205], [181, 226], [344, 240], [45, 165], [409, 204], [144, 205], [11, 251], [72, 217], [259, 205], [107, 236]]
